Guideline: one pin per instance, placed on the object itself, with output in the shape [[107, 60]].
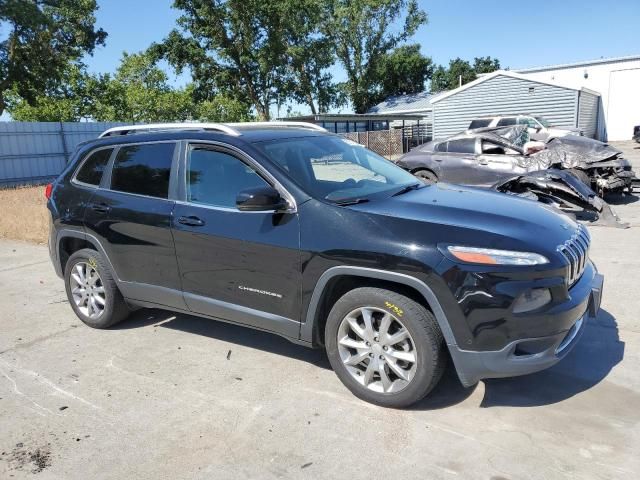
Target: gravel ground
[[173, 396]]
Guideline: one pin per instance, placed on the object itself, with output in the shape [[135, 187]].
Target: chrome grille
[[576, 251]]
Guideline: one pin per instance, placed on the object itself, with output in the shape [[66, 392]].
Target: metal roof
[[353, 117], [415, 102], [505, 73], [599, 61]]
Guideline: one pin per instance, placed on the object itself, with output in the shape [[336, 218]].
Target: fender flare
[[67, 233], [307, 328]]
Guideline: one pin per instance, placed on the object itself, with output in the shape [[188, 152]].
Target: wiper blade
[[408, 188], [350, 201]]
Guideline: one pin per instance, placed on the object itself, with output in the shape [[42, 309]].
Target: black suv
[[292, 230]]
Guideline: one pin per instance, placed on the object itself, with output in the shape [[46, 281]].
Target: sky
[[521, 33]]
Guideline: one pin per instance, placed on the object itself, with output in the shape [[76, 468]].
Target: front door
[[238, 266]]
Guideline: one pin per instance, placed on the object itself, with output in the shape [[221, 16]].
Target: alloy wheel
[[87, 290], [377, 350]]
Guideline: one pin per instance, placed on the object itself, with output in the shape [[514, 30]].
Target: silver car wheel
[[377, 350], [87, 290]]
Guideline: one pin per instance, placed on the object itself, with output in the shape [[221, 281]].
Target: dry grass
[[24, 215]]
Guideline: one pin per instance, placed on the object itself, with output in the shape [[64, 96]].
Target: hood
[[514, 222], [573, 151]]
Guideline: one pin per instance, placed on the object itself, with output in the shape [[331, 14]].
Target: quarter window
[[215, 178], [93, 167], [507, 122], [143, 169], [480, 123], [463, 145]]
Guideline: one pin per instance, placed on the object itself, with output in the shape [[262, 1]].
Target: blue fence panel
[[34, 152]]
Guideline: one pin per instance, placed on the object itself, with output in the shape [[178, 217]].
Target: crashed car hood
[[572, 151], [478, 209]]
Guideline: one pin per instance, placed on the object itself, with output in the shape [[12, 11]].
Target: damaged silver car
[[505, 159]]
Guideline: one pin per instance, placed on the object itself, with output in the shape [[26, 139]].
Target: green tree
[[362, 32], [485, 65], [71, 100], [140, 92], [403, 71], [234, 47], [308, 56], [43, 37], [460, 72]]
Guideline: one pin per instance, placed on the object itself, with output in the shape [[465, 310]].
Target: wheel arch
[[336, 281], [422, 168], [70, 241]]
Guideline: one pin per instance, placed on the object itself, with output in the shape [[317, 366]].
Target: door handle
[[100, 207], [191, 220]]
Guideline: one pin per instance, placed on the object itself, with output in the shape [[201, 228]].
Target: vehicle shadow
[[597, 352], [226, 332], [447, 393], [620, 199]]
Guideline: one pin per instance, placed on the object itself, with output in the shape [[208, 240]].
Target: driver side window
[[215, 178]]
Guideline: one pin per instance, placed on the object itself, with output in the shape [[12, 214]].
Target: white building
[[602, 97], [616, 79]]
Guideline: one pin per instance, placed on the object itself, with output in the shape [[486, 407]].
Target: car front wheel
[[385, 347]]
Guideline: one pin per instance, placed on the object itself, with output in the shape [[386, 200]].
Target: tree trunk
[[263, 114], [2, 104], [312, 105]]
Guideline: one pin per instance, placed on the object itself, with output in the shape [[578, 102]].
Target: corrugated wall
[[588, 114], [32, 152], [504, 95]]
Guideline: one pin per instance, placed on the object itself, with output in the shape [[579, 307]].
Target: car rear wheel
[[92, 291], [426, 176], [385, 347]]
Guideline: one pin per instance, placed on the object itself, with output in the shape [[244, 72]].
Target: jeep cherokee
[[286, 228]]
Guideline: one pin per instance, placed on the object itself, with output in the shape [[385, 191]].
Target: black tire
[[426, 176], [115, 308], [425, 333]]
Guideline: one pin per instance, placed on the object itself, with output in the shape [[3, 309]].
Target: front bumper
[[527, 355]]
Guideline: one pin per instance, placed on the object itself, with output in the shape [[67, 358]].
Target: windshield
[[335, 169], [543, 121]]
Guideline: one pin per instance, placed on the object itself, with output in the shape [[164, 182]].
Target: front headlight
[[490, 256]]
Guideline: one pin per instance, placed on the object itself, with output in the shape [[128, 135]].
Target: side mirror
[[260, 199]]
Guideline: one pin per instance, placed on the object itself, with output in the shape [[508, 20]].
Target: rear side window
[[480, 123], [93, 167], [441, 147], [507, 122], [463, 145], [143, 169]]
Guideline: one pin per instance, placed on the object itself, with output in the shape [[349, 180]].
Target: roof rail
[[151, 127], [227, 128], [279, 123]]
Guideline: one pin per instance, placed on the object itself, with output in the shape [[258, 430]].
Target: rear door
[[239, 266], [457, 165], [130, 215]]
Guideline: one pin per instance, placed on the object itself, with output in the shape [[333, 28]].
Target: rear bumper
[[527, 355]]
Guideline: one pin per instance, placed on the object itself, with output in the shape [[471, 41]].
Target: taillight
[[47, 191]]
